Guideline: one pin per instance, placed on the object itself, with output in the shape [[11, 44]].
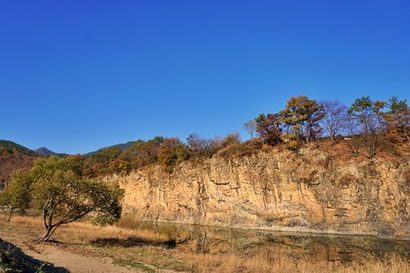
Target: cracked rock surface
[[279, 190]]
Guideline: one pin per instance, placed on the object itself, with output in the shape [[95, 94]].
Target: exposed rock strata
[[307, 192]]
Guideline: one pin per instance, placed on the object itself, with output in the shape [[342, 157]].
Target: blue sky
[[79, 75]]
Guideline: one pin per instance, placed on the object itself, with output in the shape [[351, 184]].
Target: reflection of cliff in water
[[335, 248]]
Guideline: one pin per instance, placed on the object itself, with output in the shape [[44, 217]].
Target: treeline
[[167, 152], [368, 123], [367, 126]]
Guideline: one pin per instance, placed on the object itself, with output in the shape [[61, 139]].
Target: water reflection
[[334, 248]]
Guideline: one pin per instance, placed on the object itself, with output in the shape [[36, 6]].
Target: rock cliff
[[278, 190]]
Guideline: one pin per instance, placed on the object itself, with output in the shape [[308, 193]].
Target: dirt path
[[61, 258], [73, 262], [84, 248]]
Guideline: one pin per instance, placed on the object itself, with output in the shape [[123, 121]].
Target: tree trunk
[[333, 138], [49, 232], [48, 223], [10, 214]]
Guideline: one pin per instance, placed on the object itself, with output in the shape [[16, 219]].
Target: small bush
[[172, 152], [231, 139], [247, 148]]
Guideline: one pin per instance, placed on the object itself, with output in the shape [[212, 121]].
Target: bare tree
[[398, 119], [352, 132], [250, 127], [203, 147], [336, 118], [371, 125]]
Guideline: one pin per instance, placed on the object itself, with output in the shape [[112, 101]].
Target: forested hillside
[[12, 157]]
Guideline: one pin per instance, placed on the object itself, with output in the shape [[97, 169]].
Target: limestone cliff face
[[277, 190]]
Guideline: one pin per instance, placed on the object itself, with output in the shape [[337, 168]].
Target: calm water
[[333, 248]]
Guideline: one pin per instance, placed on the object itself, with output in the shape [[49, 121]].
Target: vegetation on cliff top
[[366, 128]]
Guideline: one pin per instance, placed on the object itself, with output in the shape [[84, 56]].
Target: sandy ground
[[74, 250], [74, 263]]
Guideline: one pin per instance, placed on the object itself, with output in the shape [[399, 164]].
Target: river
[[315, 247]]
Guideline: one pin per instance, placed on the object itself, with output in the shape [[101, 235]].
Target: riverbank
[[82, 247], [285, 230]]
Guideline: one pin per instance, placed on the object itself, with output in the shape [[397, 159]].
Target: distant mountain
[[124, 146], [10, 146], [43, 151], [14, 156], [121, 146]]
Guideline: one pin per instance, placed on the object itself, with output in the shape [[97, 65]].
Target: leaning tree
[[59, 190]]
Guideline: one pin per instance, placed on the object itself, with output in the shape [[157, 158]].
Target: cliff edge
[[311, 191]]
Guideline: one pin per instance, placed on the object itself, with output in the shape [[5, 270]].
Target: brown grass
[[80, 232], [262, 264], [342, 150], [140, 248]]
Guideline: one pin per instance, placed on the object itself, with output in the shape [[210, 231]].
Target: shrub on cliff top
[[200, 147], [246, 148], [172, 152]]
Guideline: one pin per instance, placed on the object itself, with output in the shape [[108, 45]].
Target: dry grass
[[343, 150], [80, 232], [148, 255], [262, 264]]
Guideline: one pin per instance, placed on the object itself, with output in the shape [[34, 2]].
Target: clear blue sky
[[79, 75]]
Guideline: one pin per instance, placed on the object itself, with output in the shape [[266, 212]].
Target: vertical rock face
[[307, 192]]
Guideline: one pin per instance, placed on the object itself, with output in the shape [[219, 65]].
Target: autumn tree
[[335, 118], [119, 166], [250, 127], [58, 189], [107, 154], [17, 193], [202, 147], [143, 153], [231, 139], [172, 152], [97, 163], [268, 128], [301, 118], [398, 119], [370, 124]]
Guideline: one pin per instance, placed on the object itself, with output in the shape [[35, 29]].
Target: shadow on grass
[[133, 241], [64, 243], [13, 259]]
